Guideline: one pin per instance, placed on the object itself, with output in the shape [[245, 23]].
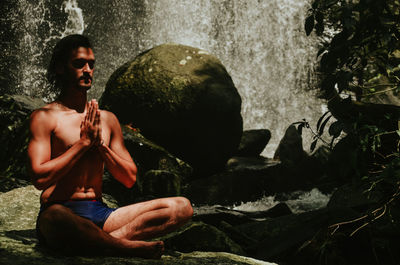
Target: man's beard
[[87, 80]]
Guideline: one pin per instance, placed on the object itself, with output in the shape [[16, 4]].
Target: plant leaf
[[313, 145], [336, 128], [309, 24], [321, 129], [320, 119]]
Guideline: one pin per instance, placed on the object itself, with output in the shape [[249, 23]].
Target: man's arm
[[117, 158], [43, 169]]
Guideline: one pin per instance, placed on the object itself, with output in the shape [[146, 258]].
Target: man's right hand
[[91, 126]]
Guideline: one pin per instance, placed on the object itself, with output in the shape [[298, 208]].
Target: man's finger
[[94, 111], [96, 118], [100, 129], [91, 116], [87, 116]]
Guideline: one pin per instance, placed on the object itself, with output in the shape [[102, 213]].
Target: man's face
[[79, 68]]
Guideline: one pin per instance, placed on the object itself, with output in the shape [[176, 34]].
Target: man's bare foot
[[144, 249]]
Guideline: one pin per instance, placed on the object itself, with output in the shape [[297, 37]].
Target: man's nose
[[86, 68]]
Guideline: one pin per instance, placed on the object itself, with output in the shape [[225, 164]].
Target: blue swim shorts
[[94, 210]]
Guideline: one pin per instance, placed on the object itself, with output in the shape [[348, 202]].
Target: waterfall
[[74, 24], [31, 29], [261, 43]]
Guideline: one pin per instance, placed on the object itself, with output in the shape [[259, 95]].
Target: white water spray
[[75, 23], [298, 202]]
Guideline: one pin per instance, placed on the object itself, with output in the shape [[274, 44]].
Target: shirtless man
[[71, 141]]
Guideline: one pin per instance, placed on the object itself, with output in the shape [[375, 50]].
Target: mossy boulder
[[183, 99]]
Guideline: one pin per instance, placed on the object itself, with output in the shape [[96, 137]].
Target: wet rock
[[160, 174], [251, 178], [19, 208], [161, 183], [14, 133], [183, 99], [225, 220], [279, 239], [290, 149], [280, 209], [213, 215], [19, 245], [203, 237], [253, 163], [235, 186], [150, 156], [253, 142]]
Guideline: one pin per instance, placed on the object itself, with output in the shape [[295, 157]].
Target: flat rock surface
[[19, 245]]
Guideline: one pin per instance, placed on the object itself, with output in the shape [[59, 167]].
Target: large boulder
[[183, 99]]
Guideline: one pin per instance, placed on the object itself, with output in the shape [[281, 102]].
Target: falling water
[[74, 24], [31, 29], [261, 43]]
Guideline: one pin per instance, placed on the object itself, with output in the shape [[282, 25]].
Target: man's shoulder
[[45, 114], [110, 119], [108, 115]]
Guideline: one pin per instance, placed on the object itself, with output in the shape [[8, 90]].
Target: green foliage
[[359, 67], [360, 59], [365, 45]]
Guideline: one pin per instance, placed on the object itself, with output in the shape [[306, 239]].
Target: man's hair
[[61, 54]]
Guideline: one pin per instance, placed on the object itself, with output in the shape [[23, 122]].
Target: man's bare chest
[[66, 132]]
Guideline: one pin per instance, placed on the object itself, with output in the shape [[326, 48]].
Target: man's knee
[[183, 208], [53, 215], [51, 223]]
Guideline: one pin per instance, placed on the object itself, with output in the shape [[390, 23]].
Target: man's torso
[[84, 180]]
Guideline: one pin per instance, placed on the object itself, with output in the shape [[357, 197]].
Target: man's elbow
[[39, 181], [130, 178], [130, 181], [38, 184], [35, 179]]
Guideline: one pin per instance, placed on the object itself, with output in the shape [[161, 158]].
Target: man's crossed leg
[[123, 231]]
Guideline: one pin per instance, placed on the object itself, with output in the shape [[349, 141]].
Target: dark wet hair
[[60, 56]]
